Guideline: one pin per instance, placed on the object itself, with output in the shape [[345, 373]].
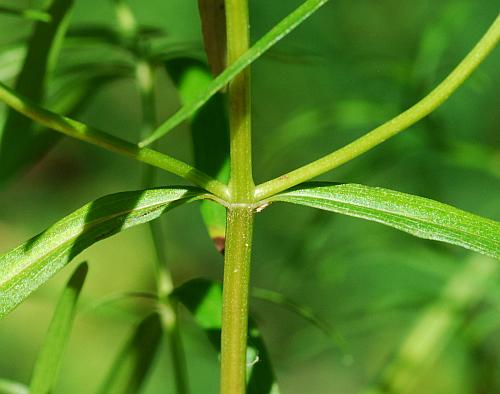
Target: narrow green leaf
[[204, 300], [135, 359], [10, 387], [279, 31], [27, 267], [50, 356], [28, 13], [21, 144], [209, 122], [415, 215], [213, 26]]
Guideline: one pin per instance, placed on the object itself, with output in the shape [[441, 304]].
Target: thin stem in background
[[82, 132], [394, 126], [145, 76]]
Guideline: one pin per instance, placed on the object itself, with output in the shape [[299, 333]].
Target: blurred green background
[[410, 312]]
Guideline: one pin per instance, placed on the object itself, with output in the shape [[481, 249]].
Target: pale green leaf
[[10, 387], [50, 356], [27, 267], [421, 217]]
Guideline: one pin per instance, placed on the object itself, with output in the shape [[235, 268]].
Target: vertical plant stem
[[240, 213], [235, 300], [241, 183], [145, 77]]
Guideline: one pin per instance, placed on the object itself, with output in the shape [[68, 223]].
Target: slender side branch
[[401, 122], [80, 131]]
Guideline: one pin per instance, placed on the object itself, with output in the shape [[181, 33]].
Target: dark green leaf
[[50, 356], [21, 144], [204, 300], [134, 361], [209, 122], [31, 264], [415, 215]]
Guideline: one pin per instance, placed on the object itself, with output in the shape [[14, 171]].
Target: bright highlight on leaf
[[31, 264], [418, 216], [50, 356]]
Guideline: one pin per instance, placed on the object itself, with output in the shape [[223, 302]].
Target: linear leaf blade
[[203, 299], [210, 122], [21, 143], [50, 356], [418, 216], [27, 267], [282, 29], [135, 359]]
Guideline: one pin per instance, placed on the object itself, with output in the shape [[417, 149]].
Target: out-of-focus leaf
[[27, 267], [415, 215], [435, 327], [135, 359], [11, 59], [279, 31], [204, 300], [103, 34], [21, 144], [10, 387], [302, 311], [50, 356], [209, 122], [213, 25], [28, 13]]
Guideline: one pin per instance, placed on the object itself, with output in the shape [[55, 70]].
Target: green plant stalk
[[235, 300], [240, 212], [394, 126], [145, 76], [241, 184], [82, 132]]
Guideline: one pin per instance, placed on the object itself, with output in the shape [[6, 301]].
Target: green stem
[[235, 300], [240, 213], [82, 132], [241, 184], [145, 76], [401, 122]]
